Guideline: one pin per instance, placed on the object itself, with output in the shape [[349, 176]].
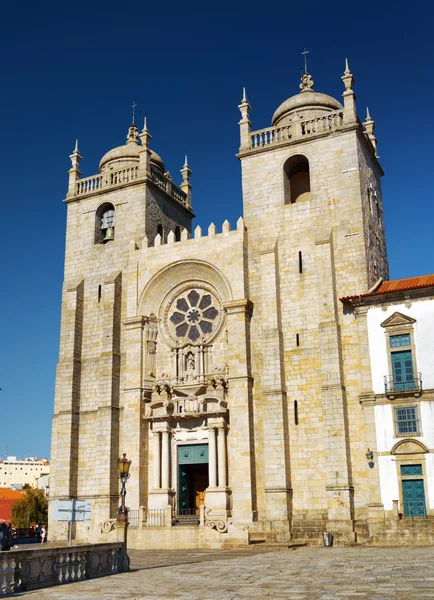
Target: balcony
[[411, 387]]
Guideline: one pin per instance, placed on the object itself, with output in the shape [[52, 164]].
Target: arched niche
[[296, 179], [408, 446]]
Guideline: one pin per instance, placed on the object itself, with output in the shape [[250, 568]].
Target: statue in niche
[[190, 362]]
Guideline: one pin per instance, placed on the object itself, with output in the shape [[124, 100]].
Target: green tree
[[32, 508]]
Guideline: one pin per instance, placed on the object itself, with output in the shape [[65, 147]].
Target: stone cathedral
[[221, 361]]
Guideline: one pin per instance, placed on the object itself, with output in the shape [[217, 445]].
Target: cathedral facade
[[222, 362]]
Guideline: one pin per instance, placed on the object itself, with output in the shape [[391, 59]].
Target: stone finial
[[186, 171], [186, 185], [133, 134], [244, 107], [184, 234], [245, 125], [212, 229], [240, 224], [74, 172], [145, 136], [350, 114], [198, 232], [171, 237], [307, 83], [226, 227], [158, 240], [369, 126], [347, 77], [144, 152], [75, 156]]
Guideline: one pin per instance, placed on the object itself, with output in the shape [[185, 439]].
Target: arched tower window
[[177, 234], [296, 179], [104, 223]]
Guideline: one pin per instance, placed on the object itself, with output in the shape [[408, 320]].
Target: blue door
[[192, 478], [414, 497], [403, 375]]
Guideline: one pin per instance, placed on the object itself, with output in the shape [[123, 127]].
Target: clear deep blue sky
[[72, 69]]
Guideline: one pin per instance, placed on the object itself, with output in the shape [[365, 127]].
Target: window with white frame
[[407, 421]]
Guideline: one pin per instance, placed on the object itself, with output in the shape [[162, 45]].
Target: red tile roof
[[8, 498], [8, 494], [397, 285]]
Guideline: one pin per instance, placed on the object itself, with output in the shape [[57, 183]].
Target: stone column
[[222, 456], [367, 400], [241, 451], [165, 458], [65, 438], [134, 440], [337, 460], [156, 461], [105, 475], [277, 477], [212, 457]]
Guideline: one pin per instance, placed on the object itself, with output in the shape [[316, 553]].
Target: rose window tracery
[[194, 316]]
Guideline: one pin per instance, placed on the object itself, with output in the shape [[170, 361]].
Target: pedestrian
[[43, 533]]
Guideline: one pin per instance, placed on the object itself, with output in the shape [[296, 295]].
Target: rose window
[[194, 315]]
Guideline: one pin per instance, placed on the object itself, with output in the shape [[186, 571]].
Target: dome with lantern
[[308, 104], [128, 155]]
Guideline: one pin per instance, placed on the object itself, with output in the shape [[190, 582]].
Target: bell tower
[[131, 203], [313, 211]]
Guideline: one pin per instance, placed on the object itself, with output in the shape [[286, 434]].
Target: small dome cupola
[[308, 104], [127, 155]]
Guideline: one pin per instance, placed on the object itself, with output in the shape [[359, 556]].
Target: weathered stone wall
[[321, 373]]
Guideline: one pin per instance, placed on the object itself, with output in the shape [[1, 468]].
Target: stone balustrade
[[326, 123], [113, 179], [168, 186], [270, 135], [25, 570], [88, 185]]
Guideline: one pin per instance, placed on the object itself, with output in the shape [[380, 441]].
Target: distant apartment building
[[17, 472]]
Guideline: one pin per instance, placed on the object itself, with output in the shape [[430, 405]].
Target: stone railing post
[[142, 516], [395, 509], [202, 515], [168, 516]]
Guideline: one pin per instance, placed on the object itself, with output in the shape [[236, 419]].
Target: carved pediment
[[409, 446], [397, 319]]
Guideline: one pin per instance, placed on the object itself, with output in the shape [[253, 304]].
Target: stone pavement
[[255, 573]]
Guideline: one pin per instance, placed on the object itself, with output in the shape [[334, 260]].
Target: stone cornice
[[242, 305], [371, 398]]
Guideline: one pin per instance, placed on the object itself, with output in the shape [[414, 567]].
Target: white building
[[399, 317], [17, 472]]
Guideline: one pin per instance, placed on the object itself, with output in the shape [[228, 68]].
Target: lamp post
[[124, 474]]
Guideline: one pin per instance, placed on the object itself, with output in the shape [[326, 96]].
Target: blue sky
[[72, 71]]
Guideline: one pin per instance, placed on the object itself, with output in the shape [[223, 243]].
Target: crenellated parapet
[[185, 236]]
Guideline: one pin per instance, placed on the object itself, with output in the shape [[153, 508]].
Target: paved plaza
[[255, 573]]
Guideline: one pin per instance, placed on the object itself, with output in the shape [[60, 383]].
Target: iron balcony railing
[[411, 385], [414, 508]]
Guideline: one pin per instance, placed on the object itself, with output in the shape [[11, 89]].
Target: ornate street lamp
[[124, 474]]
